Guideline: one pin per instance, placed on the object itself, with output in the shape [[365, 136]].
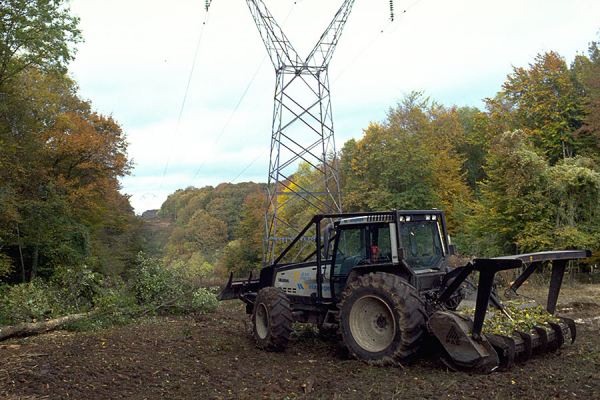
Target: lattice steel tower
[[302, 130]]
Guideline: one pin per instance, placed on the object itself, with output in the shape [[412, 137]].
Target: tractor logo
[[452, 336], [296, 276], [301, 286]]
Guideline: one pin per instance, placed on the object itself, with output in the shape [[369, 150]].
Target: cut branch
[[33, 328]]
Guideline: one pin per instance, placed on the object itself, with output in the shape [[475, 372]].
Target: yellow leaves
[[523, 318]]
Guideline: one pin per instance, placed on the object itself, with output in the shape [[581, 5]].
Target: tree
[[547, 102], [36, 33], [8, 214], [214, 224], [409, 162], [51, 236], [588, 72], [527, 205], [86, 154], [297, 215], [244, 254], [60, 163], [573, 215], [512, 198]]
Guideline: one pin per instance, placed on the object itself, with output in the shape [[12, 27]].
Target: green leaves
[[158, 288], [408, 162], [546, 103], [527, 205], [208, 221], [523, 317], [153, 284], [36, 34]]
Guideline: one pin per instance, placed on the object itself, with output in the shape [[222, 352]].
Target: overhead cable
[[184, 100]]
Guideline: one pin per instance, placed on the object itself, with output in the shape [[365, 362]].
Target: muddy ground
[[214, 357]]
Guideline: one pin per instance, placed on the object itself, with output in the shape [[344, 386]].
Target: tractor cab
[[412, 244]]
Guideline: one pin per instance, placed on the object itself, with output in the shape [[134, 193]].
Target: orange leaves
[[85, 152], [81, 144]]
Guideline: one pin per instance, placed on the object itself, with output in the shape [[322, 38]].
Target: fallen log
[[32, 328]]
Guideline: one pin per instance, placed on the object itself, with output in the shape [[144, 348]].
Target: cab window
[[351, 250], [362, 245], [380, 246], [422, 243]]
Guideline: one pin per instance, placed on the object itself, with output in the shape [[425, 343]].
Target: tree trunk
[[21, 254], [34, 262], [32, 328]]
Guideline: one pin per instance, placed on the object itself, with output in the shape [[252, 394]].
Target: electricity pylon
[[302, 130]]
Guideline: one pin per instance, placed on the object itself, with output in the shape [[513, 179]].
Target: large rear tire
[[381, 319], [272, 319]]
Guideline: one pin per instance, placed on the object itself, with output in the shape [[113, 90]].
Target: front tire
[[381, 319], [272, 319]]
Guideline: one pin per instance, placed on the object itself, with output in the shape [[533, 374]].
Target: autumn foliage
[[60, 161], [520, 175]]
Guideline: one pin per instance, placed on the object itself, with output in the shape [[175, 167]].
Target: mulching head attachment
[[465, 352], [483, 339]]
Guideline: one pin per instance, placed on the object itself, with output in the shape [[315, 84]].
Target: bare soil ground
[[214, 357]]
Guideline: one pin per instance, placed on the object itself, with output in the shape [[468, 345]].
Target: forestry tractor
[[382, 280]]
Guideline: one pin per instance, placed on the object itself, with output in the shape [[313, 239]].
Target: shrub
[[115, 305], [153, 283], [205, 300], [77, 286], [28, 302], [175, 288], [152, 288]]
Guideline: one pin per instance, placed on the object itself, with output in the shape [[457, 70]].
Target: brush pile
[[521, 315]]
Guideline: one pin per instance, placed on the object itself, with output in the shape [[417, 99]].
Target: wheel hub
[[381, 322]]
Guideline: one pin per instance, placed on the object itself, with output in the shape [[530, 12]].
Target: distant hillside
[[155, 233], [211, 228], [150, 214]]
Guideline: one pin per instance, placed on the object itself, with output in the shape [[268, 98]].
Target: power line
[[342, 73], [184, 100], [361, 53], [404, 12], [235, 110], [374, 39], [228, 120], [249, 165]]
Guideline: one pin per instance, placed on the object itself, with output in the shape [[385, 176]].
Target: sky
[[193, 90]]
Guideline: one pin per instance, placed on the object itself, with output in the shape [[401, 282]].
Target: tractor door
[[361, 244]]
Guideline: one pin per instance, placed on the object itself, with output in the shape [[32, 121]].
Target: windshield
[[422, 243]]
